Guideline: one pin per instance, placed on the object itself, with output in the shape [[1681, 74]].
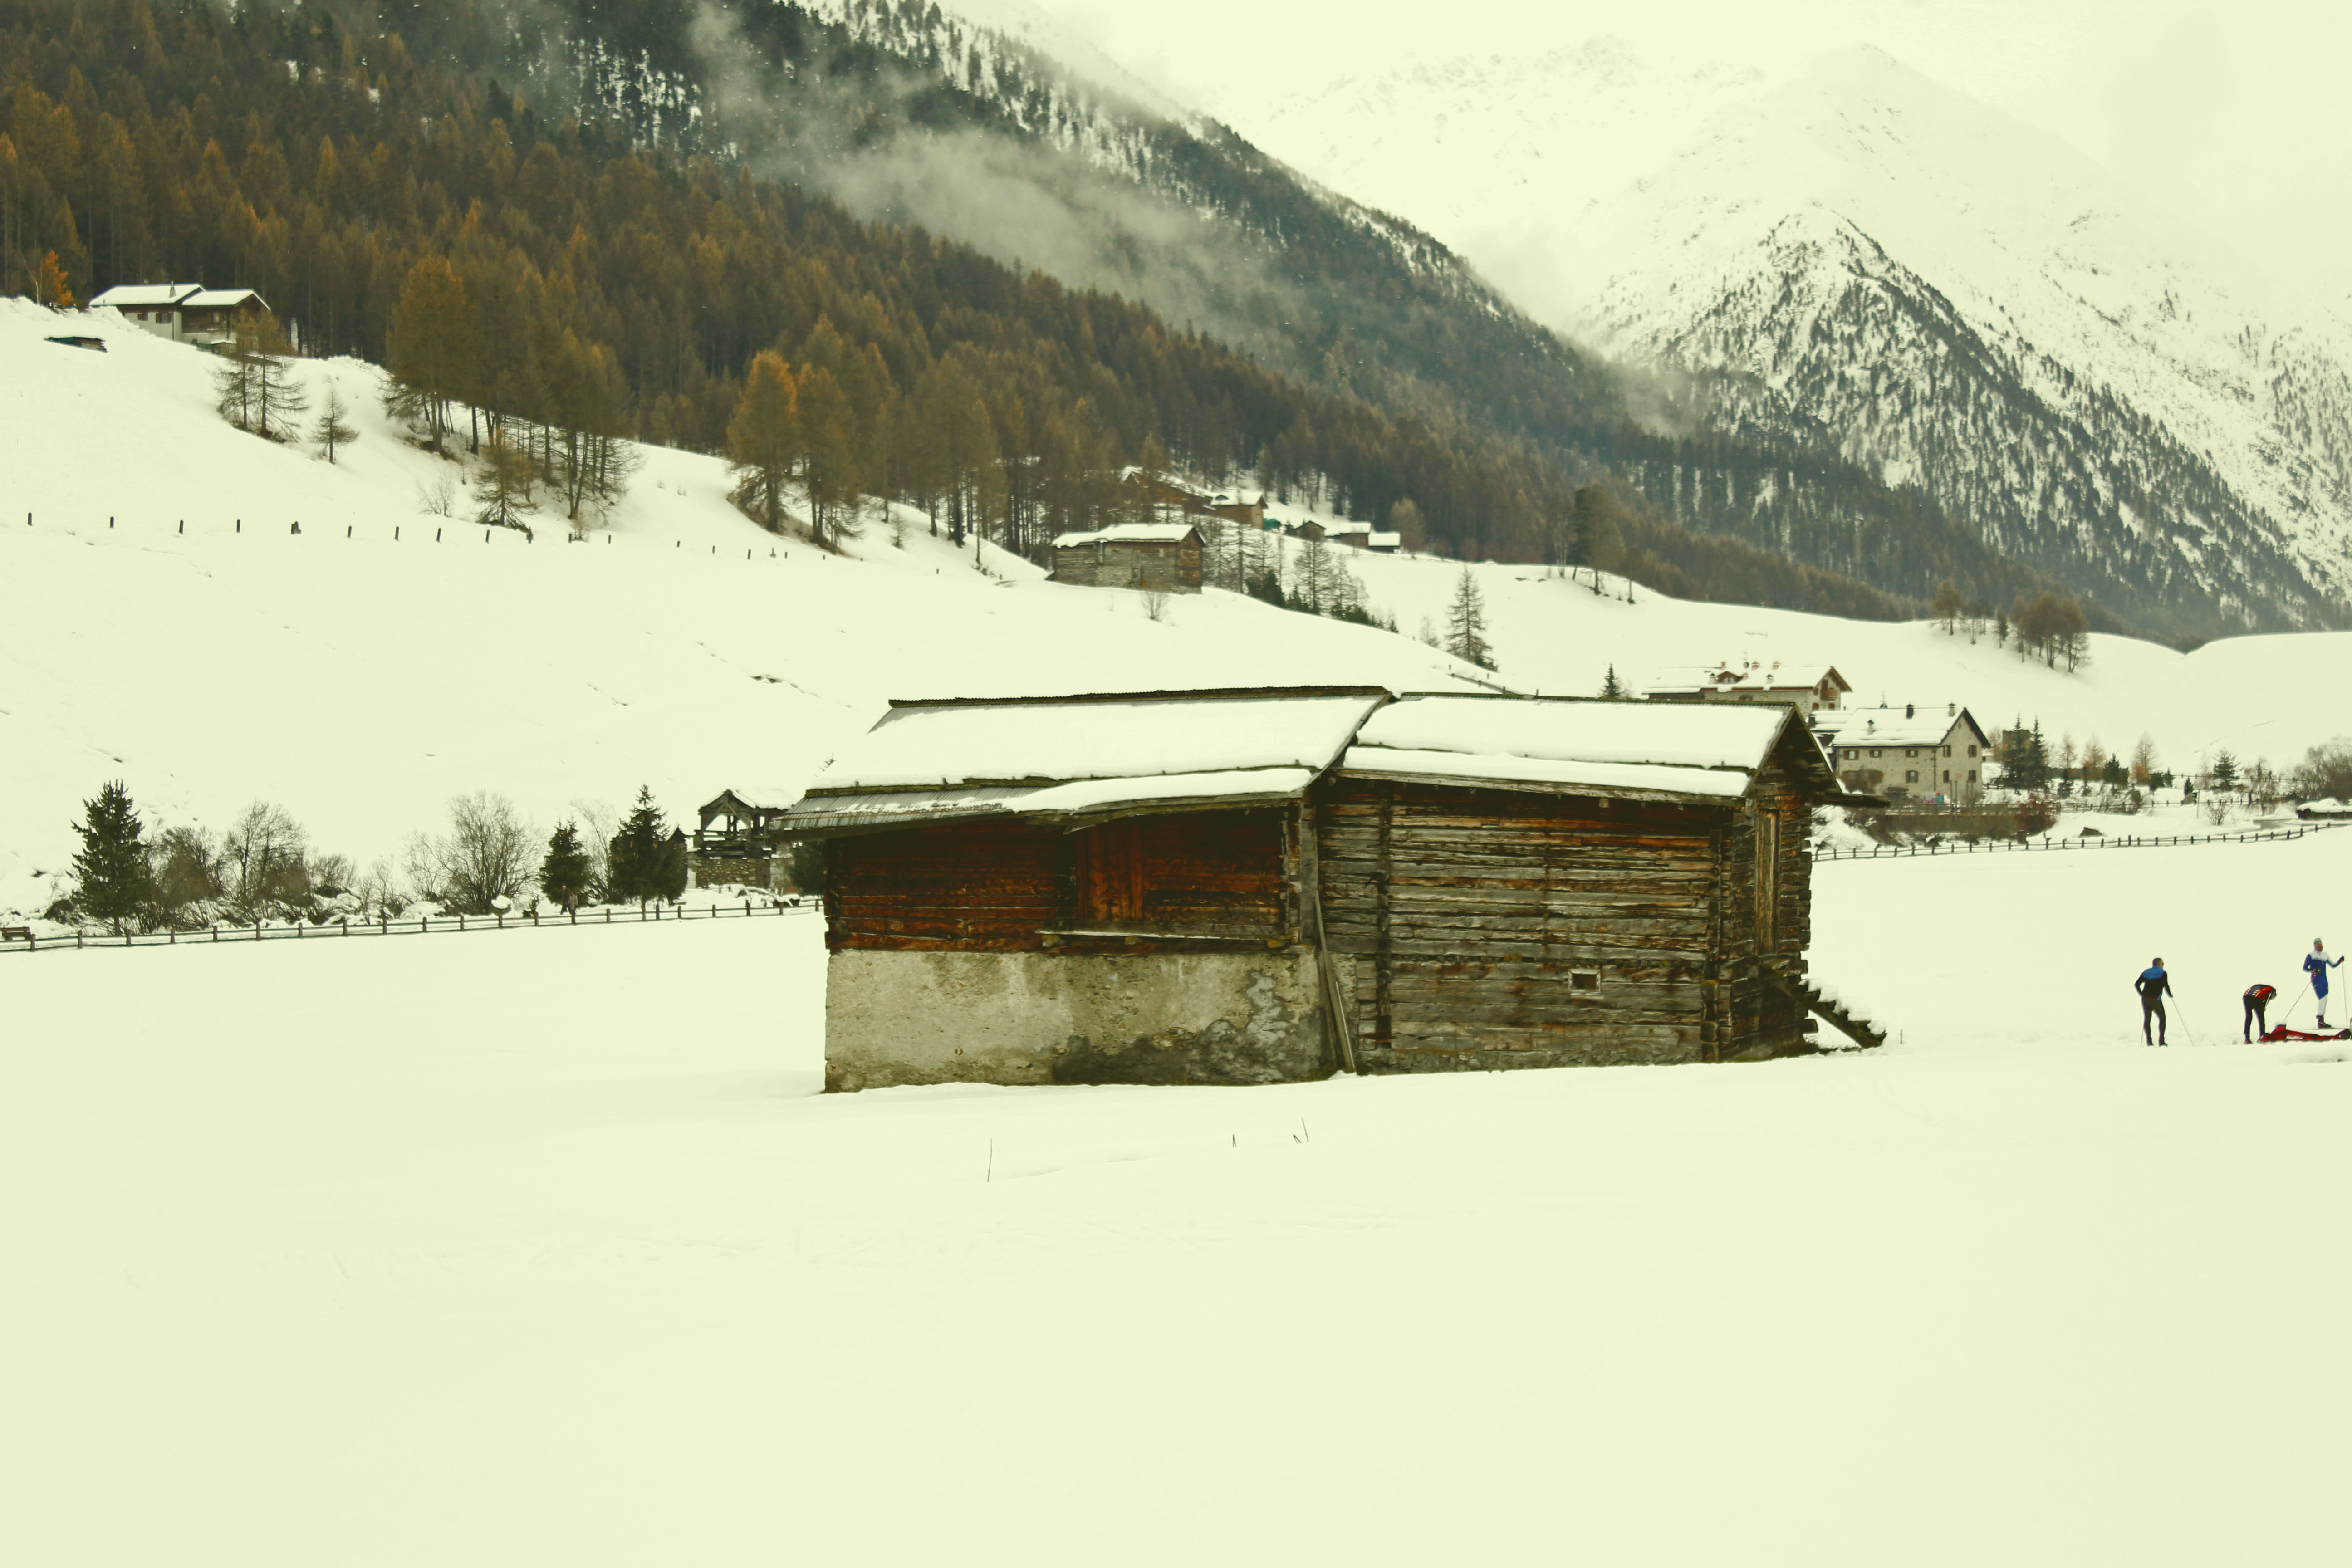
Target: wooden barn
[[1163, 557], [1270, 885]]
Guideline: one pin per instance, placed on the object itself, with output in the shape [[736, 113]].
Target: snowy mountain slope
[[362, 682], [1856, 258]]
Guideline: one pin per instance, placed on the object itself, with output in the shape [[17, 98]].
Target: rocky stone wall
[[898, 1017]]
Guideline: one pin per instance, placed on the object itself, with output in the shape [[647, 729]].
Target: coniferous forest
[[554, 281]]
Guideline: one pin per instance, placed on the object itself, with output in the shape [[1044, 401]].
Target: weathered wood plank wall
[[1489, 927]]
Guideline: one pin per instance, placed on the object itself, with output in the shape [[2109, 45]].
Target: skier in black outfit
[[2154, 986], [2258, 1001]]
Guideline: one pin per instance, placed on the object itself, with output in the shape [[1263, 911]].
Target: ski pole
[[2288, 1016]]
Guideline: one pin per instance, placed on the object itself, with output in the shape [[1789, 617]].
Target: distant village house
[[1267, 885], [1806, 688], [182, 312], [1162, 492], [1906, 754], [1157, 557]]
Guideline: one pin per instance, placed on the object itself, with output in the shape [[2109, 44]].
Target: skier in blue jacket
[[2316, 965], [2153, 986]]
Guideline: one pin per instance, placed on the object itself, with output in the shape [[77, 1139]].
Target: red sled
[[2280, 1033]]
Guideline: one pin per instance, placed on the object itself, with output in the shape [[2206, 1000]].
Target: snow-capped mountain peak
[[1855, 256]]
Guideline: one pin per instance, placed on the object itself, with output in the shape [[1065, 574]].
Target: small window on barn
[[1873, 751], [1972, 751], [1972, 776], [1911, 776], [1584, 979], [1947, 750]]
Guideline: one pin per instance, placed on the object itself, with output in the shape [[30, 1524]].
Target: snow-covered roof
[[1923, 726], [1127, 533], [145, 296], [1384, 540], [1742, 677], [218, 299], [1699, 751], [928, 761]]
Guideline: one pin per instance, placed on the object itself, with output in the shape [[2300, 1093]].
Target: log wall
[[999, 886], [1167, 567], [1489, 927]]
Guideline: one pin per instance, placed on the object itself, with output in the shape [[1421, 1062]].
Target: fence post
[[76, 939], [461, 914]]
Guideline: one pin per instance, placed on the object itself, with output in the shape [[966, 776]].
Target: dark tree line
[[544, 288]]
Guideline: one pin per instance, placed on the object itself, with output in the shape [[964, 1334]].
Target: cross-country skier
[[2315, 964], [2258, 1001], [2154, 986]]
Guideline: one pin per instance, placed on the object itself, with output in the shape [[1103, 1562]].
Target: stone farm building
[[1265, 885], [733, 840], [1806, 688], [181, 313], [1904, 754], [1164, 557]]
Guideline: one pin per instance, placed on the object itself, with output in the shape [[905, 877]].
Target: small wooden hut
[[1162, 557], [1257, 886]]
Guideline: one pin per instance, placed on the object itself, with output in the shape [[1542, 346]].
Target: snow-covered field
[[360, 680], [543, 1248]]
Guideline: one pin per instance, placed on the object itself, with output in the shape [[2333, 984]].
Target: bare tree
[[489, 852], [262, 861], [380, 892]]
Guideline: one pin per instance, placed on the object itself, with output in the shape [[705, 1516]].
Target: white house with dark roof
[[1909, 753], [180, 313], [1807, 687]]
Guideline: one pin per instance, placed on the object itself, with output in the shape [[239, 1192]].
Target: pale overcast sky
[[2234, 115]]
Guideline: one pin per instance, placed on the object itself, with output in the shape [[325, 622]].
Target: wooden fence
[[423, 925], [2108, 841]]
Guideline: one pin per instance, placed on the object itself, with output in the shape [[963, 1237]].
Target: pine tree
[[254, 386], [1465, 622], [2225, 770], [633, 868], [50, 287], [112, 871], [1950, 606], [503, 488], [331, 431], [828, 455], [1612, 688], [563, 874], [764, 440], [432, 347]]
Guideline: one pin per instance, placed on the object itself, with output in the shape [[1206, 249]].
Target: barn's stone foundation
[[901, 1017]]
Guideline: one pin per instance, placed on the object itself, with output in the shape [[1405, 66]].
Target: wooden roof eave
[[1529, 786], [1812, 763], [823, 826]]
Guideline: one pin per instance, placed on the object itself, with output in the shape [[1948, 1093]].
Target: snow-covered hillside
[[361, 680], [544, 1248], [1854, 255]]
